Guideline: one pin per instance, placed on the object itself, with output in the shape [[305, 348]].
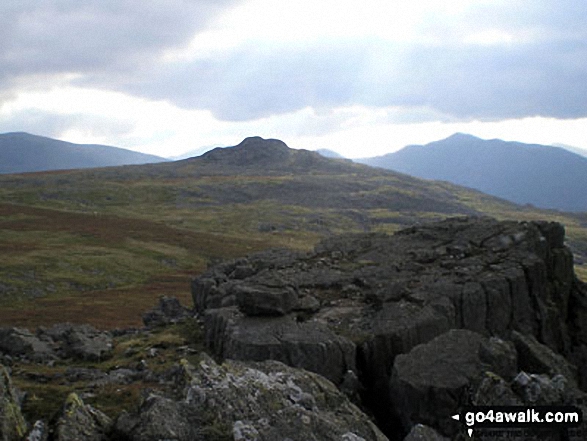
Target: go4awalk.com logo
[[518, 417]]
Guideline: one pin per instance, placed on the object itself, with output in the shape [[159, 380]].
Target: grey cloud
[[457, 82], [53, 125], [92, 36], [115, 43], [254, 82]]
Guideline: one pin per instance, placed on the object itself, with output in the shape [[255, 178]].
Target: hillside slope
[[544, 176], [111, 240], [23, 152]]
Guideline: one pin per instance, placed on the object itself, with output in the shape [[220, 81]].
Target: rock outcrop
[[385, 295]]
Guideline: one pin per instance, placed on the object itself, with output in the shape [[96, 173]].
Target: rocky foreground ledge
[[369, 337], [416, 325]]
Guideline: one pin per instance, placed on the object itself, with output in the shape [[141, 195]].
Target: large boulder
[[432, 381]]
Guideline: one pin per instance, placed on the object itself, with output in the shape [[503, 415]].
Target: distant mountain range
[[544, 176], [22, 152]]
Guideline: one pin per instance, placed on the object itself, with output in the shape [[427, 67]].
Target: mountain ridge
[[22, 152], [544, 176]]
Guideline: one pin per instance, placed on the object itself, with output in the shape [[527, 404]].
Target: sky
[[362, 78]]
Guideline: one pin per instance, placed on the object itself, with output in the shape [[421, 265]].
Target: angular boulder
[[80, 421], [433, 380]]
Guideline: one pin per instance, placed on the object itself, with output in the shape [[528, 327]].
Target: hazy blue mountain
[[329, 153], [23, 152], [570, 148], [544, 176]]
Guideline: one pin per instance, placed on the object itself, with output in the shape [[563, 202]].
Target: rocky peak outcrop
[[256, 153], [253, 150], [382, 296]]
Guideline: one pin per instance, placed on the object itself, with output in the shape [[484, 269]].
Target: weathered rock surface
[[386, 295], [271, 401], [160, 418], [80, 421], [266, 401], [12, 424]]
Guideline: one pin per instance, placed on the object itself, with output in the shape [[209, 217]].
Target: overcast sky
[[358, 77]]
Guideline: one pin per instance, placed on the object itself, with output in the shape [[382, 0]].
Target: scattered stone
[[78, 341], [168, 311], [21, 342]]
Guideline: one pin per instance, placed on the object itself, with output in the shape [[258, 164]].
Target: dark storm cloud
[[83, 36]]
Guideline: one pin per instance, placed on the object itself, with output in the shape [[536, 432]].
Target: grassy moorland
[[100, 246]]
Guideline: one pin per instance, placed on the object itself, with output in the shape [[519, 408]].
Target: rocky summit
[[415, 325]]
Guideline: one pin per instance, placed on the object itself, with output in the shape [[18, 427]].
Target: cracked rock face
[[382, 295]]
